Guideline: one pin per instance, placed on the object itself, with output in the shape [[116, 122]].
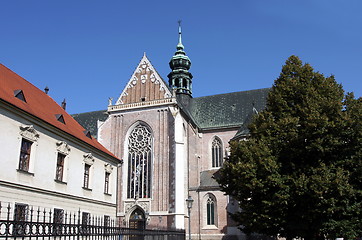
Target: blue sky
[[85, 50]]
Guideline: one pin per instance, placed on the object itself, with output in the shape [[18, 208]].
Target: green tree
[[299, 173]]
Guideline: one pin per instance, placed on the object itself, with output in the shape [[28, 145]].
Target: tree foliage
[[299, 173]]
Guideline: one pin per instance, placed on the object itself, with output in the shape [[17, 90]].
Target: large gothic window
[[216, 152], [139, 162]]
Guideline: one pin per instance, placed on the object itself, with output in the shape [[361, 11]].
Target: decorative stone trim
[[146, 72], [29, 132], [88, 158], [152, 103], [108, 168], [63, 147], [129, 207], [174, 110]]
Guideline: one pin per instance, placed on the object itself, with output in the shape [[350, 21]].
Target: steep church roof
[[21, 94], [210, 112], [226, 110]]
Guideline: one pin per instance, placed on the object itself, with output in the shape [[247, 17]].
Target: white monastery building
[[47, 158]]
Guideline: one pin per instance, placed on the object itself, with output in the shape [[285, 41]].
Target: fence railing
[[27, 222]]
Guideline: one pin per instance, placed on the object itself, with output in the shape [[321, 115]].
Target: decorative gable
[[145, 85]]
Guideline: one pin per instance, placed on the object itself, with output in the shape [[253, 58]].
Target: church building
[[171, 145]]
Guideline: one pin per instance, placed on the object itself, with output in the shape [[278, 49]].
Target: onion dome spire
[[180, 78]]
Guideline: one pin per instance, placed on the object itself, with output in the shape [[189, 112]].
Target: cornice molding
[[54, 193]]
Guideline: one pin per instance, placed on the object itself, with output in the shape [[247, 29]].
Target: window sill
[[88, 189], [210, 227], [25, 172], [61, 182]]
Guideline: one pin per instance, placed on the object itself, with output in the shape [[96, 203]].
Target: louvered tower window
[[139, 162], [216, 152]]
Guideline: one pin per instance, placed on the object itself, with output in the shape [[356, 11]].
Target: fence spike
[[38, 214]]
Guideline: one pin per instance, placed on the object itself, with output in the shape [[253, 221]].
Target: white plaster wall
[[180, 163], [43, 166]]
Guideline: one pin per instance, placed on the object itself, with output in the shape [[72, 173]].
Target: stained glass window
[[216, 152], [139, 162]]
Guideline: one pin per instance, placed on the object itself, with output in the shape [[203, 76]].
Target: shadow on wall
[[237, 234]]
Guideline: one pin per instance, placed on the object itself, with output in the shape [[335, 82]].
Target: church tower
[[180, 79]]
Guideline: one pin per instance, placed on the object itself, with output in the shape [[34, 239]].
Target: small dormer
[[19, 94], [60, 118]]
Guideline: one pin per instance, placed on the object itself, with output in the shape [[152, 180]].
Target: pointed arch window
[[216, 153], [139, 162], [210, 210]]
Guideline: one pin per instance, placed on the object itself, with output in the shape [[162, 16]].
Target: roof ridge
[[102, 110], [219, 94]]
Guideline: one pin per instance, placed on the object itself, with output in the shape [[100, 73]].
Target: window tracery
[[210, 210], [216, 153], [139, 162]]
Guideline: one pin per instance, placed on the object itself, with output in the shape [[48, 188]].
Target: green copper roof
[[211, 112], [226, 110], [88, 120]]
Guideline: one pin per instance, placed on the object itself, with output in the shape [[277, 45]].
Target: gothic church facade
[[171, 145]]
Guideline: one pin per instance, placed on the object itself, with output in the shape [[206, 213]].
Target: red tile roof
[[42, 106]]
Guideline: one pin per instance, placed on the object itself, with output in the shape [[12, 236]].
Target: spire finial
[[179, 33], [180, 78]]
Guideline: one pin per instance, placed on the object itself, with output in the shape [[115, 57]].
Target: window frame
[[86, 175], [24, 162], [216, 153], [58, 221], [21, 212], [107, 176], [140, 148], [59, 175], [210, 213]]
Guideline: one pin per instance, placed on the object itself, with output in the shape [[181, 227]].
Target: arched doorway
[[137, 219]]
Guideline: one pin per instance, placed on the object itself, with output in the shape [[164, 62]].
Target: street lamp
[[189, 202]]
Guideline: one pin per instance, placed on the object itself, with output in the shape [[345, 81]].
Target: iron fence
[[27, 222]]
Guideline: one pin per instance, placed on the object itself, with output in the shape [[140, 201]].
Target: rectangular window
[[106, 224], [85, 218], [20, 215], [86, 175], [58, 220], [58, 216], [106, 182], [60, 167], [25, 155], [85, 222], [21, 212]]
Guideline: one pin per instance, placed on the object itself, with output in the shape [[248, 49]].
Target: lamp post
[[189, 202]]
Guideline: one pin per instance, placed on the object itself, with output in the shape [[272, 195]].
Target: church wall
[[200, 160], [160, 121], [224, 136]]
